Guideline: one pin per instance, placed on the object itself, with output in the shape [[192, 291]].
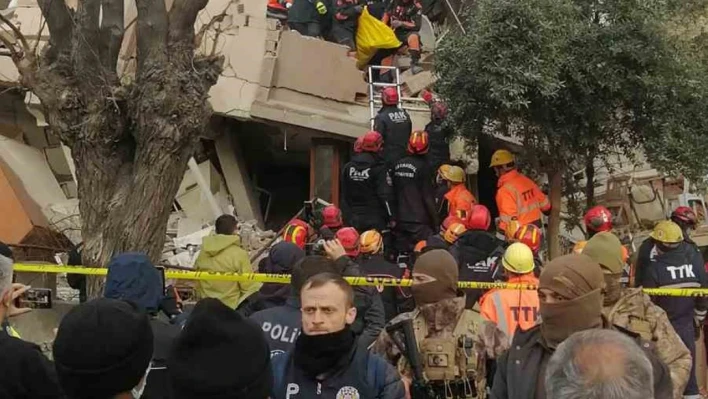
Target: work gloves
[[321, 8]]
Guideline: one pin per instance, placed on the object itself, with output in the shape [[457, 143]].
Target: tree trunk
[[590, 180], [555, 177], [130, 141]]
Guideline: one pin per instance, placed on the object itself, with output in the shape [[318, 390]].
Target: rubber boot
[[415, 59]]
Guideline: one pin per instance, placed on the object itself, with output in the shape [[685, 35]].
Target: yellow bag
[[372, 35]]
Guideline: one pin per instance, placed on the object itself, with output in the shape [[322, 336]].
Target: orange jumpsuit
[[459, 201], [519, 197], [510, 309]]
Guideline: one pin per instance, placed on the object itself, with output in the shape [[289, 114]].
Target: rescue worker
[[331, 222], [458, 200], [298, 232], [477, 252], [597, 220], [326, 361], [511, 309], [518, 197], [443, 330], [579, 246], [345, 22], [687, 221], [373, 264], [304, 16], [280, 260], [440, 134], [405, 18], [412, 182], [366, 187], [570, 297], [349, 238], [439, 241], [634, 311], [532, 236], [677, 264], [395, 127]]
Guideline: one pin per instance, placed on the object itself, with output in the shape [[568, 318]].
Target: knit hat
[[308, 267], [103, 348], [441, 266], [571, 276], [5, 251], [220, 355], [606, 249]]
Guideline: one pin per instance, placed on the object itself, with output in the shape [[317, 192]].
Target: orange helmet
[[531, 235], [449, 221], [349, 238], [625, 254], [331, 216], [418, 143], [478, 218], [370, 242], [297, 232], [579, 246], [371, 142], [420, 246], [454, 232]]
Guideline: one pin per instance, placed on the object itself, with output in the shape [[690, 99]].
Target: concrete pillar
[[237, 180]]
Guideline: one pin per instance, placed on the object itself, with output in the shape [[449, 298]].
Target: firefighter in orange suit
[[518, 198], [458, 201], [511, 309]]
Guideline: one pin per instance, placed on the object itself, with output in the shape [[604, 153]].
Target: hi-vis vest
[[519, 197], [511, 309]]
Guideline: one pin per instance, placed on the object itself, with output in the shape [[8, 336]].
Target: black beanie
[[310, 266], [5, 250], [103, 348], [220, 355]]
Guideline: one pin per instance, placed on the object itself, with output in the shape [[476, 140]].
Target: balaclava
[[578, 279], [441, 266], [606, 249]]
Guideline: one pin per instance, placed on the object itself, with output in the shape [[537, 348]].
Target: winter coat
[[280, 260], [366, 376], [281, 325], [223, 253], [366, 192], [635, 312], [477, 254], [412, 183], [518, 368], [395, 299], [26, 372], [439, 134], [395, 127], [303, 11]]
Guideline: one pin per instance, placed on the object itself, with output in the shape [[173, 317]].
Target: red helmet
[[358, 144], [684, 215], [349, 238], [531, 235], [371, 142], [449, 221], [418, 142], [438, 111], [478, 218], [598, 219], [331, 217], [389, 96]]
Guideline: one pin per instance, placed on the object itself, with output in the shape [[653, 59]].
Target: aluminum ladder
[[374, 98]]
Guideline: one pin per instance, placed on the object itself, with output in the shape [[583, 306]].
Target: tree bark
[[555, 177], [130, 142], [590, 180]]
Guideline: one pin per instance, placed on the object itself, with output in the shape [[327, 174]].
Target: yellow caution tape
[[174, 274]]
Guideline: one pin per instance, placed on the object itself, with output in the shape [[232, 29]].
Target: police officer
[[442, 332], [477, 252], [677, 264], [395, 127], [412, 182], [366, 187], [631, 309], [326, 361]]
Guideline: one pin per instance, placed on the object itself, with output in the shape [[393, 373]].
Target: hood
[[282, 257], [479, 239], [133, 277], [212, 245]]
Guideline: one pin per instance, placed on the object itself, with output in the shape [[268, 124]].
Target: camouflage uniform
[[635, 312], [447, 319]]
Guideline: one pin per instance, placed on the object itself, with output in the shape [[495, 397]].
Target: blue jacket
[[133, 277], [281, 325]]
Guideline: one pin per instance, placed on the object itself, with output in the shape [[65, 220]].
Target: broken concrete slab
[[414, 84], [237, 180]]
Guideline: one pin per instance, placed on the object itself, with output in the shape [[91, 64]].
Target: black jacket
[[158, 385], [303, 11], [412, 183], [281, 325], [439, 152], [477, 254], [518, 368], [280, 260], [24, 371], [366, 192], [396, 300], [679, 268], [366, 376], [395, 127]]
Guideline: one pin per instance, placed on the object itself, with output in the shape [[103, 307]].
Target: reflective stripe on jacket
[[519, 197], [510, 309]]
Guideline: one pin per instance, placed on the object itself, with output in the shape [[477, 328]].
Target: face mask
[[613, 289], [432, 292], [561, 319], [137, 392]]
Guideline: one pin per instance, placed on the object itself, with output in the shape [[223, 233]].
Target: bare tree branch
[[17, 32], [152, 32], [205, 28], [183, 15], [112, 30], [39, 35], [60, 20]]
